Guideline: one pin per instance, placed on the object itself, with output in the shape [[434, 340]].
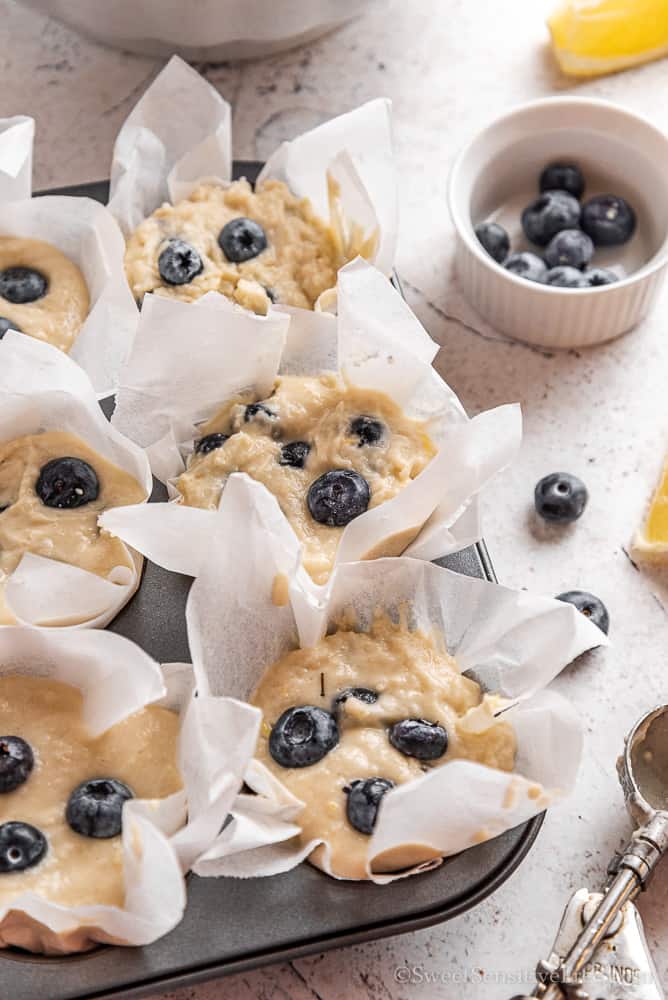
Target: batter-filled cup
[[114, 778], [404, 719], [319, 201], [343, 421]]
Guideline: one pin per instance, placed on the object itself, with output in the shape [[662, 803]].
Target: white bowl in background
[[202, 29], [496, 176]]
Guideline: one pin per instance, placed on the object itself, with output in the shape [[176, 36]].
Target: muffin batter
[[140, 751], [323, 424], [55, 316], [299, 261], [406, 676], [68, 535]]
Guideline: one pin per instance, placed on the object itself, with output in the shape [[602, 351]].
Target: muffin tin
[[300, 912]]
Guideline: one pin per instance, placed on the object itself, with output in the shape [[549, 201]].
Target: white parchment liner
[[42, 389], [87, 233], [188, 359], [161, 838], [179, 135], [509, 641]]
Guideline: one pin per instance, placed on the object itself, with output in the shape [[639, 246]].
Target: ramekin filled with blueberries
[[561, 214]]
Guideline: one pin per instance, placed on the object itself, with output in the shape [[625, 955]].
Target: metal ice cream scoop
[[600, 952]]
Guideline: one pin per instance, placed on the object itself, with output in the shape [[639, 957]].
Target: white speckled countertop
[[601, 414]]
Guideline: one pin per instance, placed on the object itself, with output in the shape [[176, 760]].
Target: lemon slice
[[591, 37], [651, 542]]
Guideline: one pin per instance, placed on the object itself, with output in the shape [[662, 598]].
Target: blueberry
[[364, 796], [302, 736], [563, 177], [591, 607], [560, 497], [571, 247], [257, 410], [95, 807], [494, 239], [526, 265], [549, 214], [294, 454], [67, 483], [368, 430], [366, 695], [608, 219], [419, 738], [21, 846], [8, 324], [597, 276], [16, 762], [210, 442], [22, 284], [338, 496], [242, 239], [566, 277], [179, 263]]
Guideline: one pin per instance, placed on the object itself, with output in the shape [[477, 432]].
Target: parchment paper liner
[[161, 838], [179, 135], [187, 360], [87, 233], [509, 641], [42, 389]]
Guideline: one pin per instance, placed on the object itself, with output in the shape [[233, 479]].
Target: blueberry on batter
[[66, 483], [294, 454], [368, 430], [179, 263], [16, 762], [95, 807], [302, 736], [364, 797], [242, 239], [210, 442], [337, 497], [419, 738], [20, 285], [21, 846]]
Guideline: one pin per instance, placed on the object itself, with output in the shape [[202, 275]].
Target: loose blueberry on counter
[[337, 497], [8, 324], [302, 736], [210, 442], [179, 263], [294, 454], [21, 846], [368, 430], [526, 265], [549, 214], [258, 410], [570, 247], [563, 177], [608, 219], [95, 807], [589, 605], [597, 276], [494, 239], [566, 277], [419, 738], [20, 285], [366, 695], [16, 762], [560, 497], [242, 239], [364, 797], [66, 483]]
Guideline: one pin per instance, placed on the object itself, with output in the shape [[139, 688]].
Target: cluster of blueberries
[[304, 734], [335, 497], [240, 239], [569, 231], [20, 285], [94, 808], [561, 498]]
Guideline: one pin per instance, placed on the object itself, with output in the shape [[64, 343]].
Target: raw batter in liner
[[71, 536], [413, 678], [299, 262], [57, 316], [140, 751], [318, 411]]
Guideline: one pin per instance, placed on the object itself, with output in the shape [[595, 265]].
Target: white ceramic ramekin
[[497, 174]]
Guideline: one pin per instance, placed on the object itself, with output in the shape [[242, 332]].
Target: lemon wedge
[[651, 542], [592, 37]]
